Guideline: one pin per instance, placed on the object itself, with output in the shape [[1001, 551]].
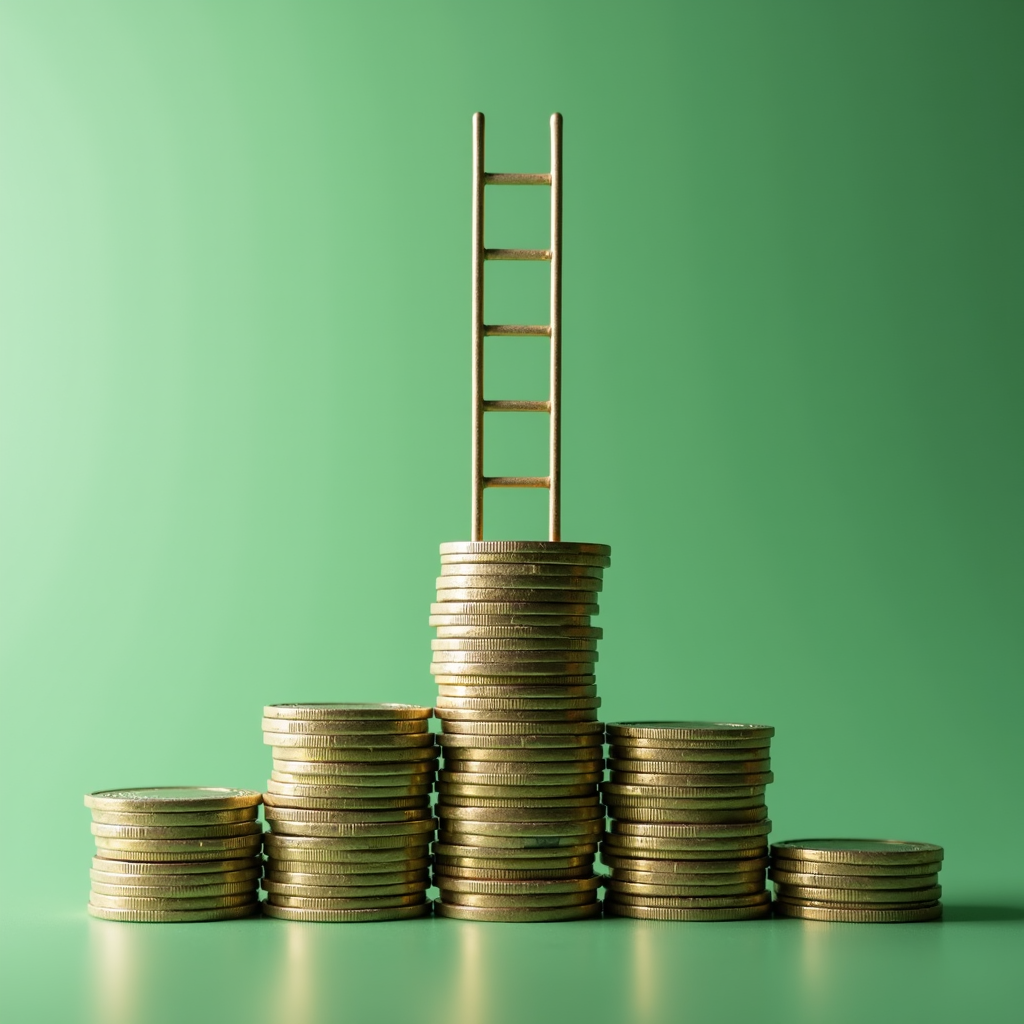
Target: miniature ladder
[[553, 330]]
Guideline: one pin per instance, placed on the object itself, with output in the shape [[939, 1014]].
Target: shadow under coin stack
[[348, 805], [879, 881], [688, 835], [518, 800], [175, 853]]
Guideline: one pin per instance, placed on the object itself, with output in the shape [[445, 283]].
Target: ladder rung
[[514, 405], [517, 179], [521, 330], [517, 254], [517, 481]]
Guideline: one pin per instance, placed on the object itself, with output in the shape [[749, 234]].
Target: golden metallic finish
[[347, 916], [684, 868], [97, 899], [725, 891], [932, 913], [172, 798], [828, 869], [167, 916], [174, 818], [652, 913], [339, 892], [673, 732], [482, 857], [249, 886], [470, 899], [325, 903], [517, 914], [346, 711], [857, 851], [520, 874], [879, 883]]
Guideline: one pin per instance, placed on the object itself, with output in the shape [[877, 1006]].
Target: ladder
[[552, 330]]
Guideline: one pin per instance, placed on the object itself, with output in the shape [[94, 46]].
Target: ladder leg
[[555, 453], [477, 525]]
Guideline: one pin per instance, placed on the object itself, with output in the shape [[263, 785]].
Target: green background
[[234, 311]]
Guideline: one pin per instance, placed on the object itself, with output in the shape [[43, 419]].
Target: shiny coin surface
[[686, 868], [539, 690], [460, 590], [345, 847], [342, 829], [865, 916], [518, 843], [496, 671], [592, 729], [376, 740], [109, 873], [188, 849], [758, 828], [176, 892], [707, 879], [360, 773], [700, 754], [519, 704], [506, 609], [172, 798], [204, 867], [587, 812], [353, 804], [684, 890], [506, 792], [592, 802], [840, 882], [173, 858], [827, 868], [460, 720], [802, 893], [326, 903], [518, 620], [276, 814], [459, 854], [511, 557], [517, 914], [731, 782], [97, 899], [241, 828], [752, 899], [583, 739], [511, 766], [510, 874], [502, 547], [550, 784], [680, 767], [176, 818], [329, 792], [523, 889], [683, 815], [169, 916], [665, 785], [549, 900], [547, 682], [500, 571], [703, 845], [858, 851], [504, 644], [338, 878], [463, 828], [347, 916], [345, 892], [346, 711], [371, 729], [650, 913], [331, 755], [689, 730], [534, 632]]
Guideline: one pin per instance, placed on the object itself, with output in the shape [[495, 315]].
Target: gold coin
[[592, 729], [375, 740], [176, 857], [338, 755], [589, 884], [518, 620], [571, 734], [755, 828], [328, 879], [353, 903], [470, 899], [537, 695], [227, 817], [512, 632], [520, 874], [827, 869], [544, 705], [511, 557], [839, 882], [552, 660], [681, 850], [751, 899], [346, 712], [350, 829], [372, 773], [328, 792], [314, 803], [500, 571], [515, 547], [688, 731], [563, 784], [690, 756], [541, 844], [588, 812], [163, 879], [806, 893], [97, 899], [350, 916], [665, 785], [154, 916], [459, 590], [932, 913], [176, 892], [500, 671], [684, 868], [240, 828], [729, 769], [535, 772], [501, 608], [680, 816], [730, 782], [172, 798], [516, 755], [189, 849], [504, 792], [537, 685], [517, 914], [352, 849], [458, 719], [648, 913], [276, 814], [725, 891], [709, 880], [346, 892], [514, 647], [463, 827], [498, 857], [625, 794], [190, 868], [858, 851], [536, 802], [368, 732]]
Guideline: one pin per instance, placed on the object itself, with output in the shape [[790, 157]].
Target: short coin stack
[[688, 836], [881, 881], [348, 804], [518, 797], [176, 853]]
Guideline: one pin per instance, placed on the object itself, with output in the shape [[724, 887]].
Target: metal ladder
[[553, 330]]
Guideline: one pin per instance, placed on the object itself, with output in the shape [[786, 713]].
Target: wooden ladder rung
[[518, 254], [517, 481], [517, 179], [515, 405], [518, 330]]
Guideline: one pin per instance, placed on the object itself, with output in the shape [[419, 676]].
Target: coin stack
[[688, 835], [348, 804], [175, 854], [518, 796], [881, 881]]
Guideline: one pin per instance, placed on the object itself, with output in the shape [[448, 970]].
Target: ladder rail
[[552, 330]]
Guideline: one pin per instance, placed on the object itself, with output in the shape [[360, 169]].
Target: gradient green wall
[[234, 312]]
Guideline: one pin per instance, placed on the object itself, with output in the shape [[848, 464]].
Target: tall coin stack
[[348, 804], [688, 835], [880, 881], [519, 808], [176, 853]]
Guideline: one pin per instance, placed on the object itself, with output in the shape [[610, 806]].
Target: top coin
[[172, 798], [512, 557], [346, 711], [495, 547], [689, 730], [858, 851]]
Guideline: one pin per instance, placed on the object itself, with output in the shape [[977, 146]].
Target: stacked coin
[[688, 835], [175, 854], [518, 795], [881, 881], [348, 804]]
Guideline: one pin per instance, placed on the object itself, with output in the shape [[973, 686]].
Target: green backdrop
[[234, 311]]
